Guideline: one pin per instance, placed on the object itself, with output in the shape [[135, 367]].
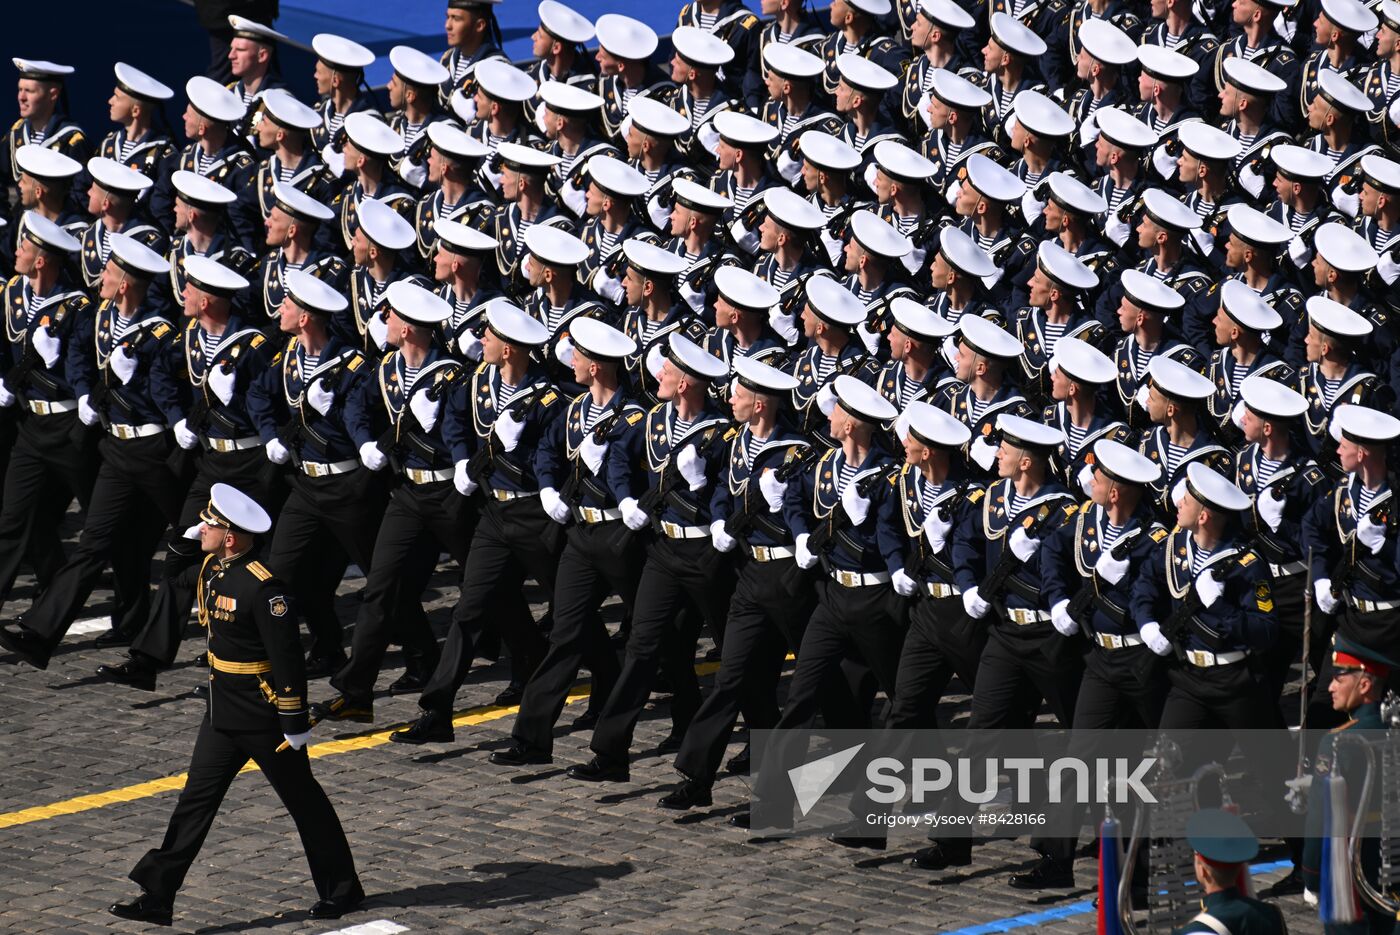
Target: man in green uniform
[[1224, 844]]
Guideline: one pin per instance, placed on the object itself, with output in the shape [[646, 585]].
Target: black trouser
[[45, 551], [513, 538], [218, 756], [132, 480], [159, 639], [768, 613], [398, 573], [678, 572], [47, 449], [1122, 689], [1279, 659], [942, 641], [598, 560]]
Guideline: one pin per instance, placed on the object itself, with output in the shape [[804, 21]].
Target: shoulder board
[[259, 571], [731, 434], [258, 341], [976, 495], [1249, 558], [1071, 509], [1313, 476], [1158, 533], [277, 358], [634, 417], [161, 330], [548, 399], [749, 22], [355, 362]]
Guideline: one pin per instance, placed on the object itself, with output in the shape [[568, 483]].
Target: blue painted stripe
[[1084, 907]]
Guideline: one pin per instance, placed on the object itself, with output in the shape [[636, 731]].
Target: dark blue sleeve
[[889, 529], [622, 466], [551, 456], [169, 387], [796, 498], [1059, 575], [455, 423], [360, 408], [264, 396], [1146, 603], [79, 355], [969, 549]]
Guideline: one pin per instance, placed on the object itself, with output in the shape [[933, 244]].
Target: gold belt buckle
[[123, 431], [760, 553], [1197, 657], [500, 495], [671, 530], [315, 469], [846, 578]]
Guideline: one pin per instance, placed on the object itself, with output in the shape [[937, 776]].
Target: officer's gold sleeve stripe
[[468, 717]]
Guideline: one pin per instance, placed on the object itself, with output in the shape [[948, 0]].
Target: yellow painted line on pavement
[[468, 717]]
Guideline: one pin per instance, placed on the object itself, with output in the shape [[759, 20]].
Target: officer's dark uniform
[[1224, 841]]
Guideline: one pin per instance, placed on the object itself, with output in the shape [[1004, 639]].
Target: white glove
[[464, 484], [826, 398], [1204, 242], [122, 364], [805, 559], [1031, 207], [1371, 534], [1062, 621], [372, 458], [1388, 269], [1088, 131], [708, 136], [1164, 162], [984, 453], [772, 490], [1237, 415], [221, 382], [86, 414], [277, 452], [609, 288], [857, 507], [414, 175], [378, 330], [788, 167], [1140, 397], [553, 504], [334, 160], [508, 429], [1116, 230], [904, 585], [469, 344], [184, 437], [465, 108], [1022, 545], [564, 352], [1270, 509], [1327, 602], [6, 397], [974, 605], [46, 343], [425, 410], [633, 516], [297, 741], [319, 397], [1209, 589], [936, 531], [1111, 569], [1178, 491], [1345, 202], [722, 540], [901, 426], [659, 214], [870, 339], [692, 468], [592, 452], [192, 532], [1251, 181], [784, 325], [655, 361], [575, 200], [1086, 478], [1151, 633], [1298, 252]]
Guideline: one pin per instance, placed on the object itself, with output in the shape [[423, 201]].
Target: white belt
[[771, 553], [1114, 641], [1369, 607], [854, 579], [320, 469], [1204, 659], [415, 476], [43, 408], [1025, 616], [939, 589], [592, 515], [135, 431], [1291, 568], [235, 444], [677, 531], [505, 496]]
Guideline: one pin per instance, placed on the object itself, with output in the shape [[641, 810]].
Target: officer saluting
[[257, 699], [1224, 846]]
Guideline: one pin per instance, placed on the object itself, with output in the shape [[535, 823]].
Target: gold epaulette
[[259, 571]]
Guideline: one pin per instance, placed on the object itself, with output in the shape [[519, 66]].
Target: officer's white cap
[[919, 321], [963, 253], [464, 239], [417, 305], [763, 378], [286, 110], [987, 338], [1343, 93], [701, 47], [513, 325], [372, 136], [454, 143], [827, 152], [1389, 12], [1350, 15], [1165, 64], [1332, 317], [555, 247], [562, 22], [504, 81], [902, 163], [233, 509], [1107, 43], [44, 163], [992, 181], [1381, 173], [935, 428], [1176, 379], [745, 289], [1251, 78], [1213, 491], [1256, 227], [862, 74], [47, 234], [1124, 464], [341, 53], [834, 303], [385, 226], [1073, 194], [652, 260], [1123, 129], [616, 177], [956, 91], [791, 62], [137, 83], [690, 357], [879, 237], [1169, 212], [115, 177], [1064, 267], [212, 277], [298, 204], [658, 120], [700, 198], [313, 294], [526, 158], [1297, 162], [1082, 362], [564, 98], [1150, 293], [599, 340], [213, 100], [1207, 142], [1247, 308], [947, 14], [1272, 399], [1025, 434], [41, 70], [862, 400], [625, 37], [194, 189], [873, 7], [792, 210], [739, 129], [1015, 36], [1363, 425], [246, 28], [135, 257], [1040, 115], [1344, 249]]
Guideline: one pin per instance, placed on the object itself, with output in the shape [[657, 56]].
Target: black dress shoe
[[689, 794], [112, 638], [1047, 874], [202, 660], [740, 819], [585, 721], [739, 763], [431, 727], [510, 697], [596, 771], [320, 667], [516, 755], [344, 708], [672, 743], [1290, 885], [942, 856], [129, 673], [857, 836], [143, 909], [24, 645], [410, 683], [335, 908]]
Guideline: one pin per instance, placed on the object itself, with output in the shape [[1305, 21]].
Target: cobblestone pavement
[[445, 842]]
